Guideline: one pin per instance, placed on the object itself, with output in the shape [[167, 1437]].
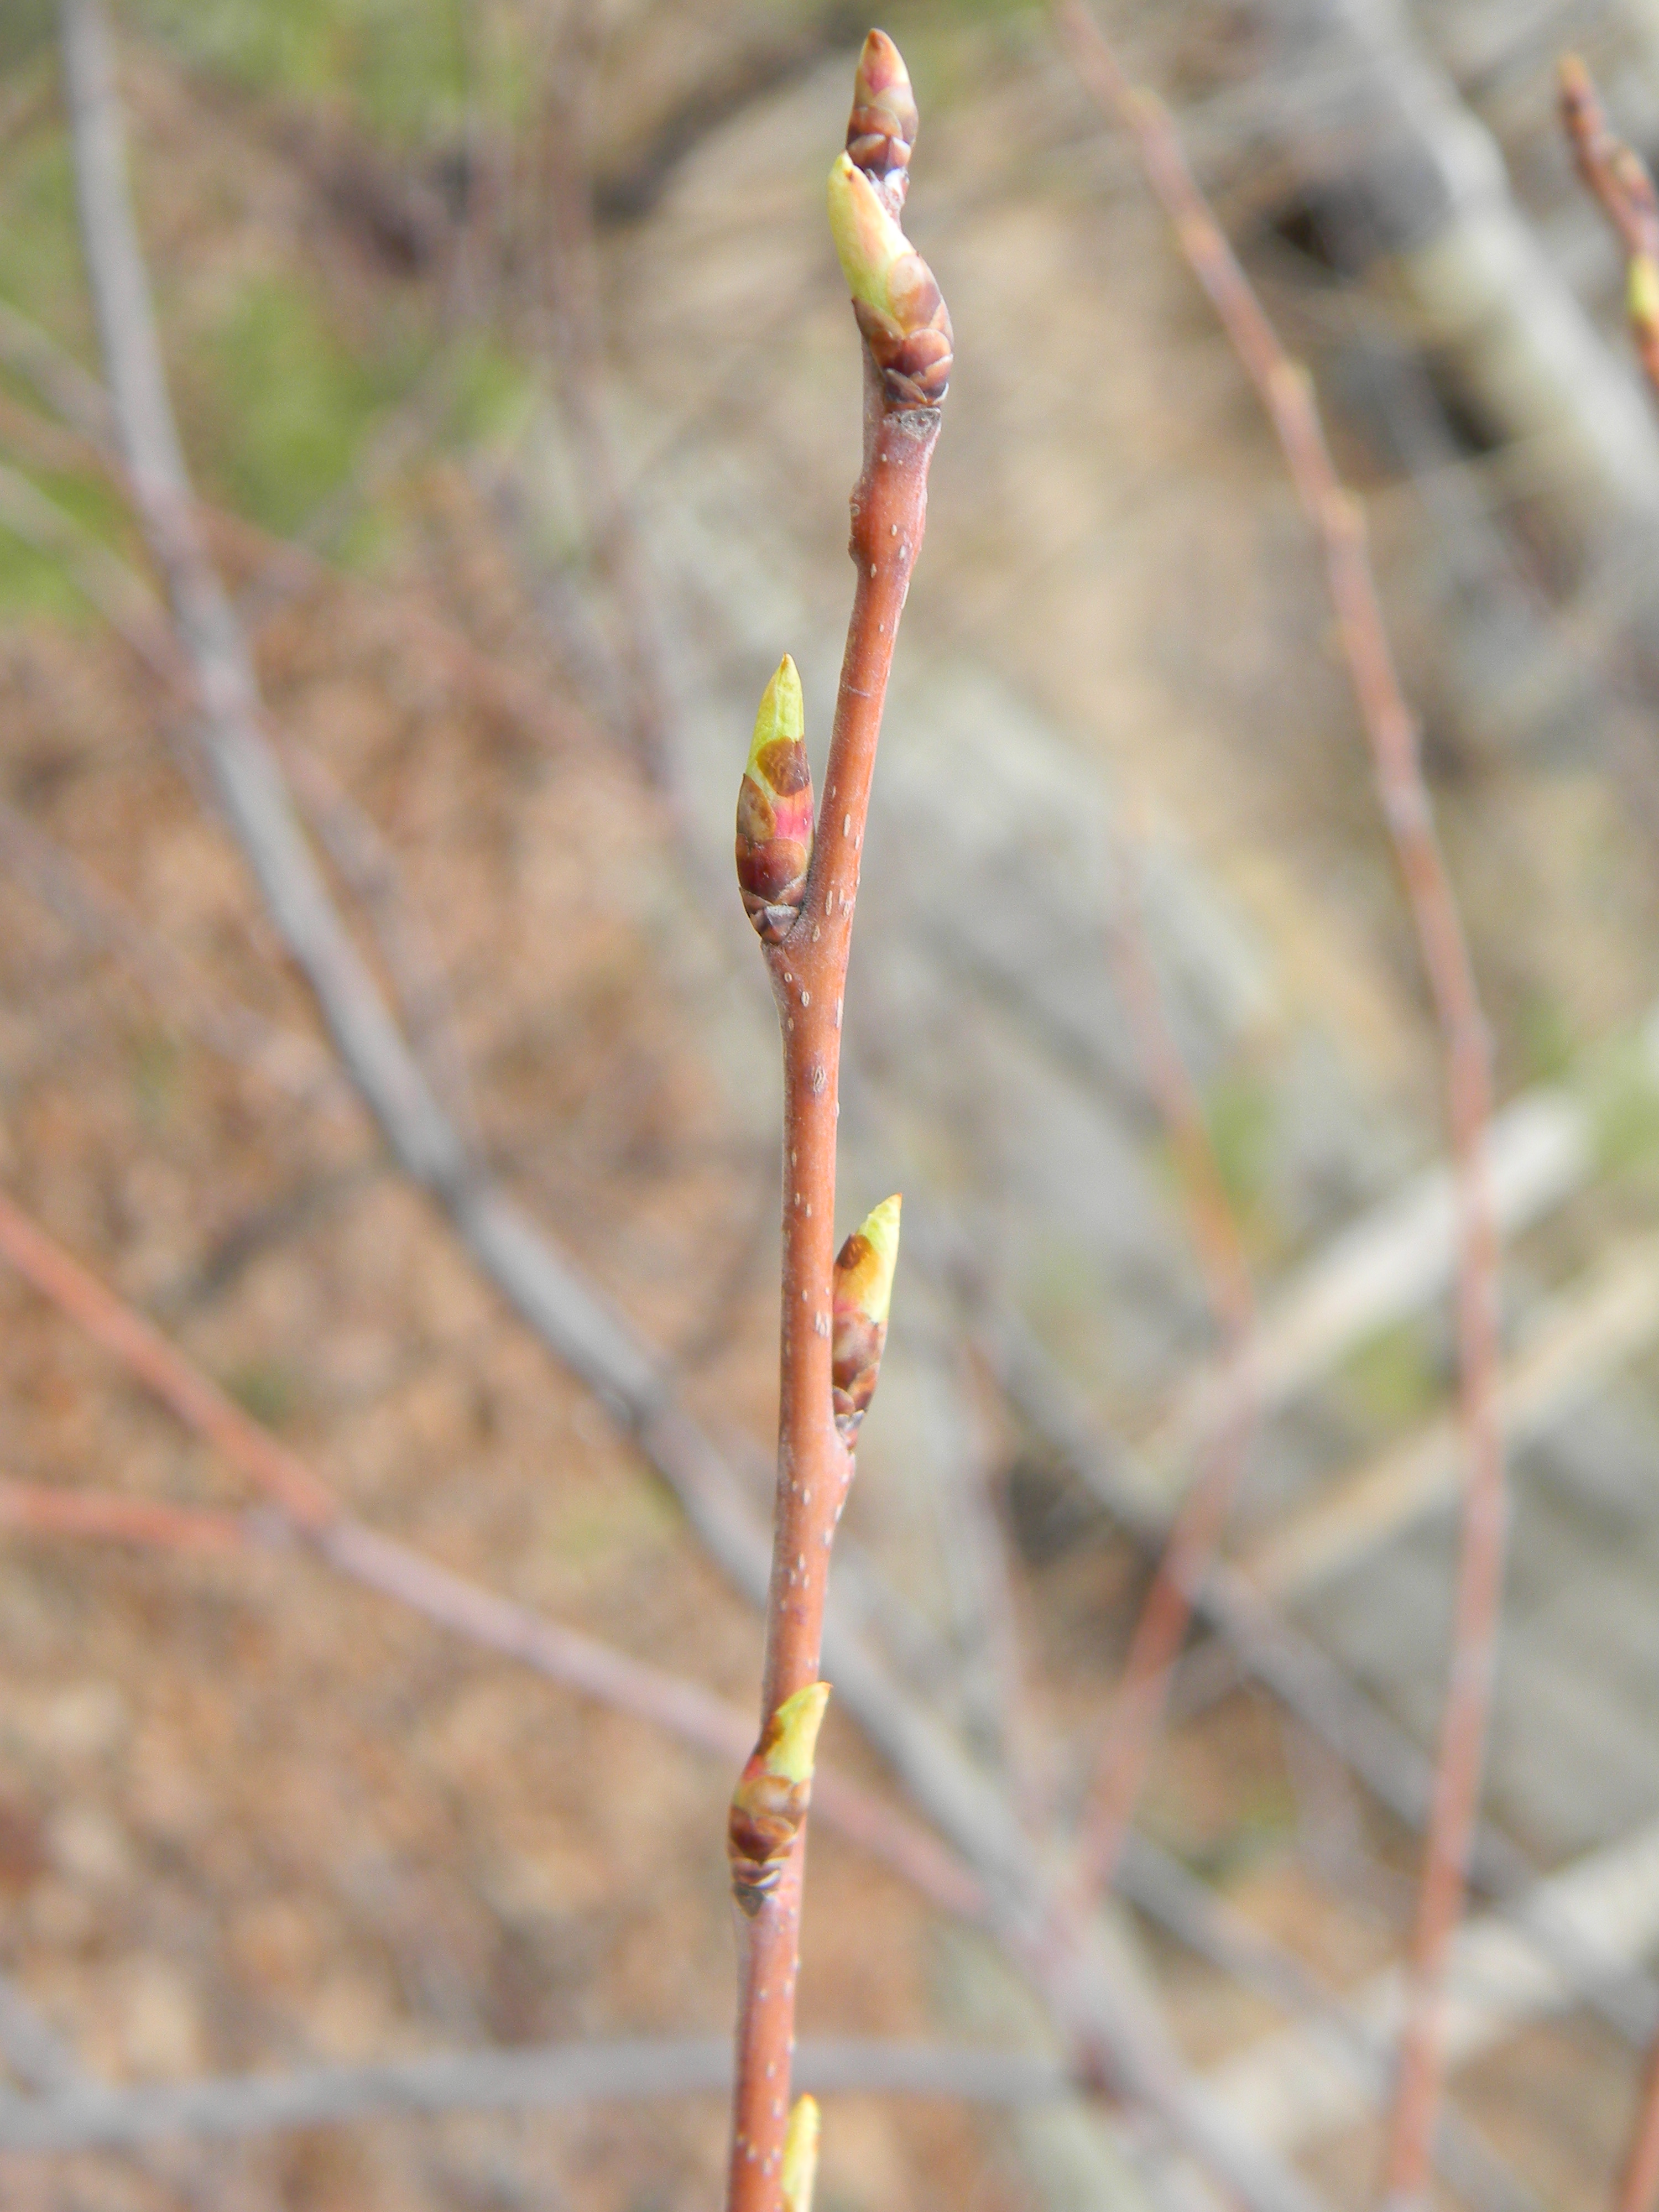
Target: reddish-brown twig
[[1286, 392], [804, 911], [308, 1512], [200, 1404], [1619, 180], [1155, 1643], [35, 1509], [1638, 2177]]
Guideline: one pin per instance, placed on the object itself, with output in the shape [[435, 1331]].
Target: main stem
[[815, 1467]]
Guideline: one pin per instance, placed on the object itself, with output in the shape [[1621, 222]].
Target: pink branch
[[1285, 391]]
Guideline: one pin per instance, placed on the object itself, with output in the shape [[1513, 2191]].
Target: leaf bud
[[770, 1802], [863, 1292], [774, 810]]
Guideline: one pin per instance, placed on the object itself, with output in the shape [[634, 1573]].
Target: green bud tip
[[800, 2155], [770, 1802], [868, 241], [1642, 292], [790, 1744], [858, 1333], [781, 719], [864, 1264], [774, 810]]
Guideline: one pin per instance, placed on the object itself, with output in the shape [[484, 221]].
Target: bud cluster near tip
[[895, 297], [774, 810], [863, 1292], [770, 1802]]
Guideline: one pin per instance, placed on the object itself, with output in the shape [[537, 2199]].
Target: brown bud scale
[[882, 127], [770, 1802], [915, 360], [761, 1829]]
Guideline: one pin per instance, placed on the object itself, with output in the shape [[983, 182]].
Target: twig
[[984, 1651], [1286, 392], [1618, 179], [36, 1508], [1143, 1695], [1386, 1263], [1263, 1644], [70, 392], [1161, 1888], [1298, 2086], [287, 566], [800, 885], [99, 2118], [1588, 1331]]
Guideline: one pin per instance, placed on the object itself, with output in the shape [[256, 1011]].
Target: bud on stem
[[800, 2155], [882, 128], [774, 810], [863, 1292], [770, 1802], [895, 297]]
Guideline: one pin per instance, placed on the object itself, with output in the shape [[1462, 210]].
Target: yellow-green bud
[[863, 1292], [773, 1792], [774, 808], [897, 301], [800, 2155]]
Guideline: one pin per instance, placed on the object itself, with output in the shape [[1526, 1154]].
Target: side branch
[[1286, 392]]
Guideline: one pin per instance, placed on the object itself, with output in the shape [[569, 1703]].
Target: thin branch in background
[[1142, 1697], [1286, 392], [1161, 1888], [38, 1509], [94, 2117], [573, 292], [1262, 1643], [72, 393], [311, 1513], [287, 566], [973, 1538], [290, 1061], [354, 843]]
